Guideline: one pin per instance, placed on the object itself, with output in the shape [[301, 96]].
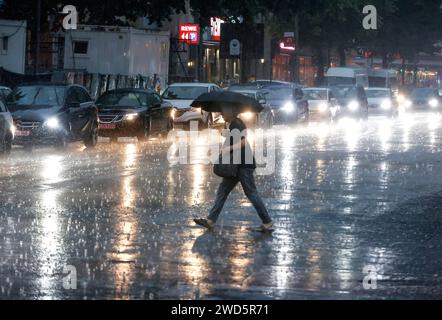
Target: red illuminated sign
[[215, 28], [287, 45], [189, 33]]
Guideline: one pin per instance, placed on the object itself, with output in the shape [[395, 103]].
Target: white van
[[347, 76], [383, 78]]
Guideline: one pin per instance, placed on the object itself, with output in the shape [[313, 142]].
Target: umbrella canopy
[[218, 100]]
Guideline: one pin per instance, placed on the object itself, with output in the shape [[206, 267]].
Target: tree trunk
[[342, 57], [403, 71], [415, 62], [385, 61], [320, 65]]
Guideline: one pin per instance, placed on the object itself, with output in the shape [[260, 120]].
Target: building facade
[[13, 45]]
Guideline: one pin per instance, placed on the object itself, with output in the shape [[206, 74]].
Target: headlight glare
[[353, 106], [433, 103], [131, 117], [323, 107], [247, 115], [386, 104], [52, 123], [288, 107]]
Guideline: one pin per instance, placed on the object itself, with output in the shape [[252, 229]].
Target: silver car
[[181, 96], [6, 129], [320, 102]]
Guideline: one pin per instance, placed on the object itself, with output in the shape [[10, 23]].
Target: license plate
[[21, 133], [106, 126]]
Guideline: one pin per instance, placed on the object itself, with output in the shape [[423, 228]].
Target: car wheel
[[210, 121], [3, 147], [143, 135], [364, 115], [61, 142], [170, 125], [92, 139], [270, 122], [8, 145]]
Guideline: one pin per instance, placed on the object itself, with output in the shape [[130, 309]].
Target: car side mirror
[[262, 101]]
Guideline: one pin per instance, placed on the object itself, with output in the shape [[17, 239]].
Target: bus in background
[[347, 76], [383, 78]]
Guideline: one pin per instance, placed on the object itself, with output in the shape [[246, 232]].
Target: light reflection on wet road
[[343, 196]]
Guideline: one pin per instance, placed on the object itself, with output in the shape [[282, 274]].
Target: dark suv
[[351, 101], [53, 114], [288, 103]]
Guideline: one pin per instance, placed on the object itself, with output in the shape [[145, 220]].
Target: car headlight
[[433, 103], [353, 106], [386, 104], [323, 107], [52, 123], [247, 115], [131, 117], [173, 114], [408, 103], [13, 129], [288, 107]]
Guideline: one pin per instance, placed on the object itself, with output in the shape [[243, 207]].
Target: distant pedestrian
[[244, 176]]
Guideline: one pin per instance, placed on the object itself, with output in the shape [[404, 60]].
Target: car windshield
[[248, 94], [343, 92], [278, 93], [239, 87], [377, 93], [422, 92], [184, 92], [37, 95], [315, 94], [121, 98], [334, 81]]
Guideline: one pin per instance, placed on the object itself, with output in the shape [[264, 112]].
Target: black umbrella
[[218, 100]]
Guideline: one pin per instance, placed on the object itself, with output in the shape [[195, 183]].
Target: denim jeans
[[245, 177]]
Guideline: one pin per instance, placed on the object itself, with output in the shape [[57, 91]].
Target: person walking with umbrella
[[230, 104]]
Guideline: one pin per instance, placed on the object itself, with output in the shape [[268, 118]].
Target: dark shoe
[[265, 227], [206, 223]]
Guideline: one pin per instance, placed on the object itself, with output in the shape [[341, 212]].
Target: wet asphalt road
[[344, 197]]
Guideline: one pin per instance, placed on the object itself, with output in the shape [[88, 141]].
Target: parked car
[[4, 92], [181, 95], [267, 82], [133, 112], [262, 119], [287, 103], [53, 114], [382, 100], [425, 99], [351, 101], [6, 129], [320, 103], [244, 86]]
